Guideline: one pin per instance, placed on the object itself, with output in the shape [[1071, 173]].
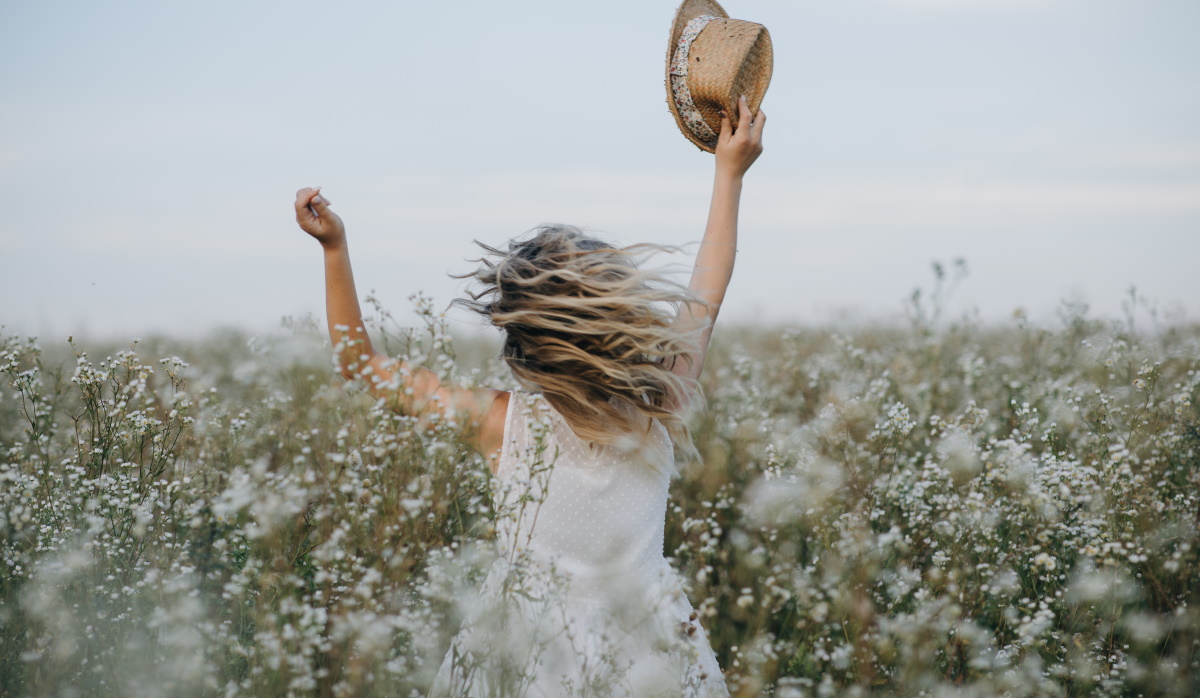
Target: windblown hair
[[591, 331]]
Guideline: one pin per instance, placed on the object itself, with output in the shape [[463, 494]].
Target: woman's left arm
[[737, 149]]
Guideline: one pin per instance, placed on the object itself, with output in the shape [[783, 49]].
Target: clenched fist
[[316, 219]]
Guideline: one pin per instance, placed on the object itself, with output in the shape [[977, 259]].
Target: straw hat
[[711, 61]]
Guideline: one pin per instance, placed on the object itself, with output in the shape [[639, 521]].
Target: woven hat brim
[[688, 10]]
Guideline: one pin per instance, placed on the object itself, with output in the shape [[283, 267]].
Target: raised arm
[[737, 149], [411, 390]]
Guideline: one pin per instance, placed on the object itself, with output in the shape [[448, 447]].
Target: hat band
[[684, 105]]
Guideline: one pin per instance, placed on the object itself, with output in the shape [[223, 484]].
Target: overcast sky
[[150, 151]]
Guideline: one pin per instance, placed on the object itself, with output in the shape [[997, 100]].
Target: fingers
[[726, 127], [743, 114], [304, 197], [756, 128], [310, 204], [319, 204]]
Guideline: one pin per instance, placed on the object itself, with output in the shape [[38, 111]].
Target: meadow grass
[[928, 509]]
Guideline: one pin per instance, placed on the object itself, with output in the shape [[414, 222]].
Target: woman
[[582, 601]]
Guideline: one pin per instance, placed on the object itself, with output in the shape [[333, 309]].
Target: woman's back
[[597, 511]]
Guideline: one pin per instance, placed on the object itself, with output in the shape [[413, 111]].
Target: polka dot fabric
[[581, 595]]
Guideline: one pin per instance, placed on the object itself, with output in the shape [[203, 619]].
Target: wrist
[[729, 174], [334, 246], [728, 181]]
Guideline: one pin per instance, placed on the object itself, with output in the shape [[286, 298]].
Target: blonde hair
[[587, 328]]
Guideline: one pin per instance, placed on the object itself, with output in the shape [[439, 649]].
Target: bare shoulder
[[482, 409]]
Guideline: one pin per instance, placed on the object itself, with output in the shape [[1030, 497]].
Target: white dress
[[581, 601]]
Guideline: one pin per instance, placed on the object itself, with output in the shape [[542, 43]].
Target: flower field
[[929, 509]]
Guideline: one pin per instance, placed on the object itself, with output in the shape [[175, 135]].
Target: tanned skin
[[482, 410]]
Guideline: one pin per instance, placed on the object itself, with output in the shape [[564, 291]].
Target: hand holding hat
[[713, 60], [738, 147]]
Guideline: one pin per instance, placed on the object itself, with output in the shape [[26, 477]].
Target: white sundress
[[581, 601]]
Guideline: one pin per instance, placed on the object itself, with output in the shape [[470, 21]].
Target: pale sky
[[150, 151]]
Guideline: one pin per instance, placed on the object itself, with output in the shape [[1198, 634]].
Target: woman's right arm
[[409, 390]]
